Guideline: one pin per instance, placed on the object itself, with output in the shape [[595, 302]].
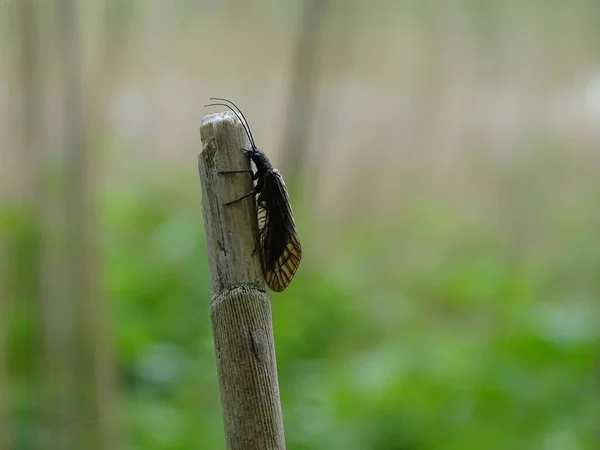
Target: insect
[[279, 244]]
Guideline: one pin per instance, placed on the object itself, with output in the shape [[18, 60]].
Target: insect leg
[[254, 175], [241, 198], [237, 171]]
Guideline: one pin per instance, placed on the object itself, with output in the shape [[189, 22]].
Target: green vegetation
[[448, 298], [440, 337]]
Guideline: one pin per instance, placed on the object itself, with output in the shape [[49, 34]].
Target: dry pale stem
[[240, 311]]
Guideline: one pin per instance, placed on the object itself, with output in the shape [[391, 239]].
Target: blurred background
[[442, 159]]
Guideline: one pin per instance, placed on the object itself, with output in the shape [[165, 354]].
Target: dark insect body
[[280, 248]]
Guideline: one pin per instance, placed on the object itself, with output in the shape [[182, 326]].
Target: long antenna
[[239, 118], [239, 113]]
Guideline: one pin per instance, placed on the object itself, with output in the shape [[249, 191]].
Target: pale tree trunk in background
[[78, 274], [29, 85], [62, 376], [334, 98], [116, 17], [301, 93], [340, 39], [429, 84], [78, 363]]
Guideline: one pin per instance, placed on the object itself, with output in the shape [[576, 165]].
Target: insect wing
[[279, 242]]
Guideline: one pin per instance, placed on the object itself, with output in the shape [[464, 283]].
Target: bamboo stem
[[240, 310]]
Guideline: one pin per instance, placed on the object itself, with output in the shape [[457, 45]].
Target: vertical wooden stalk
[[239, 308]]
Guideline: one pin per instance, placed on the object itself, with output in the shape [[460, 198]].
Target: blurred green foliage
[[423, 333]]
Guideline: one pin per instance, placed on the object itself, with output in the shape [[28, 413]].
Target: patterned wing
[[280, 247]]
